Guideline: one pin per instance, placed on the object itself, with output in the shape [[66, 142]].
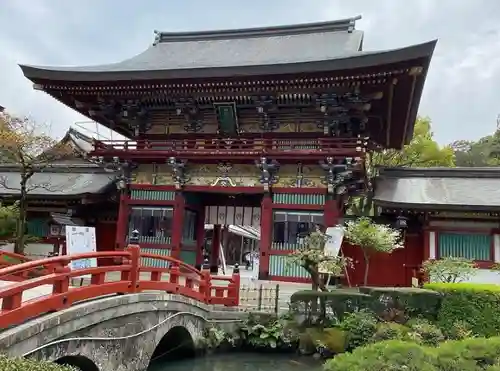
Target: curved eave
[[109, 73]]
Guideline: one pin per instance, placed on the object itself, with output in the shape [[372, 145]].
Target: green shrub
[[401, 303], [23, 364], [322, 307], [315, 340], [390, 331], [359, 328], [466, 355], [425, 332], [473, 306], [392, 355]]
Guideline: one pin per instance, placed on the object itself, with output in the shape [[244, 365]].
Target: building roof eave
[[113, 72]]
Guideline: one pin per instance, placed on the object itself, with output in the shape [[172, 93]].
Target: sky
[[461, 95]]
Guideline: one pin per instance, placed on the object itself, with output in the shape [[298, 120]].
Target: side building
[[449, 211], [71, 191], [265, 128]]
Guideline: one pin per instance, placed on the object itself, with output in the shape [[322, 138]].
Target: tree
[[483, 152], [371, 238], [29, 150], [9, 215], [312, 257], [422, 151], [449, 269]]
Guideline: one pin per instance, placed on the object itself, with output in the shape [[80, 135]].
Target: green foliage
[[465, 355], [389, 303], [449, 269], [23, 364], [475, 307], [392, 355], [8, 221], [422, 151], [424, 332], [360, 327], [327, 341], [312, 257], [390, 331], [483, 152], [372, 237], [271, 334], [327, 308], [369, 235], [215, 337]]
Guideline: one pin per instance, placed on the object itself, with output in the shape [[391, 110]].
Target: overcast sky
[[461, 94]]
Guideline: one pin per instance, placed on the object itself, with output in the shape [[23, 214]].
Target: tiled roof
[[475, 188], [325, 46]]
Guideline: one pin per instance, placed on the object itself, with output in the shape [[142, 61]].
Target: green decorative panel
[[151, 195], [150, 262], [38, 227], [468, 246], [298, 199], [188, 257], [284, 246], [279, 266], [227, 117], [154, 239]]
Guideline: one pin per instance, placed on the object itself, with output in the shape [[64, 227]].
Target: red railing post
[[206, 282], [135, 262], [61, 285], [234, 287], [134, 250]]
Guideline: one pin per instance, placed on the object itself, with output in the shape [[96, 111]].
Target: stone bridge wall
[[136, 320]]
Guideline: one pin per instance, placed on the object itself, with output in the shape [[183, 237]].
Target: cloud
[[460, 96]]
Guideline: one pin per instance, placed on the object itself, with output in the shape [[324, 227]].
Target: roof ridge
[[347, 25]]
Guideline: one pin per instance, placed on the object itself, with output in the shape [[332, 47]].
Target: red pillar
[[200, 237], [216, 241], [266, 230], [177, 225], [331, 213], [122, 222]]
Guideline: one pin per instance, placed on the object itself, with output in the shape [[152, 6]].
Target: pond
[[240, 362]]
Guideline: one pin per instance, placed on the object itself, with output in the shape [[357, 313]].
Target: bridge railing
[[53, 292]]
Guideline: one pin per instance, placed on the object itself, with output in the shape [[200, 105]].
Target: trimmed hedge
[[477, 354], [467, 305], [321, 305], [23, 364], [413, 302]]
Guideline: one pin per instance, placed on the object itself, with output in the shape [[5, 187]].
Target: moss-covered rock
[[23, 364]]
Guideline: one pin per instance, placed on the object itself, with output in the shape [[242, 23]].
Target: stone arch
[[79, 362], [177, 343]]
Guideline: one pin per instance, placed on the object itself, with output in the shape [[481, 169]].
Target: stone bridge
[[118, 333]]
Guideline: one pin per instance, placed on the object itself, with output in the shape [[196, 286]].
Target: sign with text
[[81, 240], [332, 245]]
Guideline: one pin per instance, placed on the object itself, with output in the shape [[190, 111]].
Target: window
[[291, 227], [189, 228], [469, 246], [151, 222]]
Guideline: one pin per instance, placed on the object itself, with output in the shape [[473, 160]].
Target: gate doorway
[[232, 232]]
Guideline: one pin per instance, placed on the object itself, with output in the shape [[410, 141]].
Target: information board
[[81, 240]]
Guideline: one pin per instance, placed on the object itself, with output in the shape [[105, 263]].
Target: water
[[241, 362]]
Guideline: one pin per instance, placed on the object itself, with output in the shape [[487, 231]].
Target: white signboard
[[332, 244], [81, 240]]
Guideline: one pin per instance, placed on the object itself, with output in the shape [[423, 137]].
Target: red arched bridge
[[130, 277]]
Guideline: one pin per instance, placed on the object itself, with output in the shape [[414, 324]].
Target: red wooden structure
[[183, 279], [266, 128]]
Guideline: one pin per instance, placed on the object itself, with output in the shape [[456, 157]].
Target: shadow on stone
[[177, 344], [81, 363]]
